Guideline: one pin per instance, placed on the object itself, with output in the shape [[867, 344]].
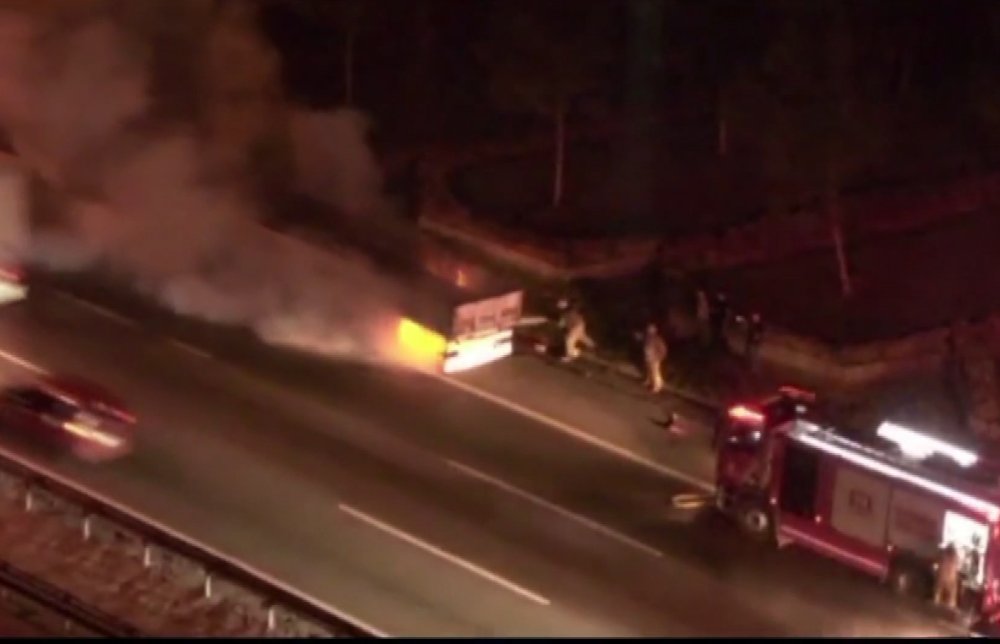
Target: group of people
[[576, 336], [713, 315]]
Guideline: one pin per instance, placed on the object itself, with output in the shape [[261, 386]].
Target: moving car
[[69, 413], [14, 232], [13, 286]]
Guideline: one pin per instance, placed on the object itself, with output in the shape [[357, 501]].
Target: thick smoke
[[143, 200], [337, 167], [335, 163]]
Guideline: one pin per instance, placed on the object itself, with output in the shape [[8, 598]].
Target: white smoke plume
[[336, 166], [335, 163], [144, 202]]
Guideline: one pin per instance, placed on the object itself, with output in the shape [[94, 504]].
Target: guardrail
[[287, 612], [60, 604]]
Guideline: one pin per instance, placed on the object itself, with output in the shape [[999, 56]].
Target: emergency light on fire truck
[[789, 402], [794, 398], [921, 446]]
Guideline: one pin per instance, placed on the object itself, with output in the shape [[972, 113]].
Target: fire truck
[[887, 506]]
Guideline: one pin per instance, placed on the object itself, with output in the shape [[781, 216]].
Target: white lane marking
[[569, 514], [187, 348], [98, 309], [442, 554], [579, 434], [21, 362]]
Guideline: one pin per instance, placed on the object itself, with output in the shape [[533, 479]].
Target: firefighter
[[575, 329], [702, 313], [946, 578], [654, 352]]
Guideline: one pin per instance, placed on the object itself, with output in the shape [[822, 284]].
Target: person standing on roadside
[[702, 314], [946, 578], [754, 338], [654, 351], [718, 316]]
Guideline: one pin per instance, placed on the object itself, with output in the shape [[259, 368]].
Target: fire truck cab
[[887, 507]]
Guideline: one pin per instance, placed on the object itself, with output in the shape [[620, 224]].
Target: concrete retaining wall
[[866, 216], [857, 365]]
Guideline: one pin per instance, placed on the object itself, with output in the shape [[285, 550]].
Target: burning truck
[[887, 507], [449, 327], [443, 314]]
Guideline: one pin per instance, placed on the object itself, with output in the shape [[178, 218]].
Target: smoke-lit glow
[[419, 344]]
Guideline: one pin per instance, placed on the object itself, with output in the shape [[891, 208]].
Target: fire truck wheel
[[755, 520]]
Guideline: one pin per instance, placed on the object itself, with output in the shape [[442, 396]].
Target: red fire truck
[[886, 506]]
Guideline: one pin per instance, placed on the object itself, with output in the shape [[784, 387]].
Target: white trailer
[[458, 329]]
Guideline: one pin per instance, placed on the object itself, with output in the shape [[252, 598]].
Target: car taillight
[[123, 416], [744, 414], [11, 274]]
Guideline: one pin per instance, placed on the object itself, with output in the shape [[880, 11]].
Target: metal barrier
[[286, 611], [61, 604]]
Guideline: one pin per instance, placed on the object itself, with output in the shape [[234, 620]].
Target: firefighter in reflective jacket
[[946, 579], [575, 330], [654, 350]]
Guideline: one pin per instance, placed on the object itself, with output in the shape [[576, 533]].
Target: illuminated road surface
[[419, 508]]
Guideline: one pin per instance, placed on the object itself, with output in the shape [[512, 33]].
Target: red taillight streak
[[123, 416], [11, 274]]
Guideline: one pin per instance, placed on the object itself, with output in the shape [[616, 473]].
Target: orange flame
[[418, 343]]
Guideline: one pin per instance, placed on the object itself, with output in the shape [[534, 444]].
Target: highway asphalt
[[415, 506]]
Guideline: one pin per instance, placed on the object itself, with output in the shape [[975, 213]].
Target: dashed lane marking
[[97, 309], [189, 349], [579, 434], [21, 362], [464, 564], [561, 511]]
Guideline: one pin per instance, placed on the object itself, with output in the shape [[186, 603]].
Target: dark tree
[[543, 64], [722, 43], [346, 15], [330, 20], [819, 108], [983, 83]]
